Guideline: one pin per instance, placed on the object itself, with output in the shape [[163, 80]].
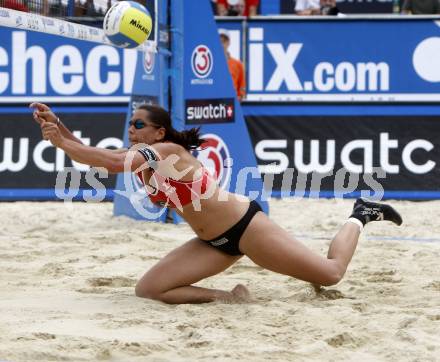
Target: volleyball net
[[52, 25]]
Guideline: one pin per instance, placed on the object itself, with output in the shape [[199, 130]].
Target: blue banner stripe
[[78, 109], [42, 194], [49, 194], [252, 109], [397, 195]]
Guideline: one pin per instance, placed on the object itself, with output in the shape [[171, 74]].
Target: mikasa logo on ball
[[138, 25]]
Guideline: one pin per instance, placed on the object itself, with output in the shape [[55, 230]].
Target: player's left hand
[[51, 132]]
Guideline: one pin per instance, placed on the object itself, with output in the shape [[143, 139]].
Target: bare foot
[[241, 293]]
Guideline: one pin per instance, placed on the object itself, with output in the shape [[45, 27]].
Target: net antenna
[[28, 21]]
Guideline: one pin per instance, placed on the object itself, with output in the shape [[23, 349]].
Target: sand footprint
[[92, 290], [343, 340], [385, 276], [56, 270], [435, 285], [112, 282], [244, 267], [360, 307], [107, 259], [198, 344], [44, 336], [434, 317], [407, 322]]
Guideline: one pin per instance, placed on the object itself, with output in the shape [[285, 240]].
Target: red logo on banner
[[214, 155], [202, 61]]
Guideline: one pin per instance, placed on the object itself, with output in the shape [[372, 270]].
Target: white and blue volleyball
[[127, 24]]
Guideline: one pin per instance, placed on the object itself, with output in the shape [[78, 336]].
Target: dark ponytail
[[189, 139]]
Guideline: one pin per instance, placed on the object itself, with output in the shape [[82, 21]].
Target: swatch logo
[[205, 111]]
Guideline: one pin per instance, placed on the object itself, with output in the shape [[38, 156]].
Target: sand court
[[69, 271]]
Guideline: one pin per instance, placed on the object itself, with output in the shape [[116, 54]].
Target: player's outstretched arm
[[114, 162], [43, 113]]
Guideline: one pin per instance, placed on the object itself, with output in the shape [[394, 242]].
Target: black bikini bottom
[[229, 241]]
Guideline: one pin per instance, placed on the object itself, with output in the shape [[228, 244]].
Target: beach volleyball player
[[227, 226]]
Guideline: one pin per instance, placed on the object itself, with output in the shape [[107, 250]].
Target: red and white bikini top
[[162, 190]]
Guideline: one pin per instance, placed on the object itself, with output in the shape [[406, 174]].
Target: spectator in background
[[236, 67], [420, 7], [237, 7], [58, 8], [15, 5], [328, 7], [90, 9], [307, 7], [44, 8], [316, 7], [79, 8]]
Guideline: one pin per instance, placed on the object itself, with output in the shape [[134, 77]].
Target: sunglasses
[[139, 124]]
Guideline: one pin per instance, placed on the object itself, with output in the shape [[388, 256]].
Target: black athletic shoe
[[367, 211]]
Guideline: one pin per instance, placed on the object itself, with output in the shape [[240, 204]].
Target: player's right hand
[[52, 133]]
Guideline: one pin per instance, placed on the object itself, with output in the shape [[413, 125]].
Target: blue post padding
[[177, 64], [150, 86], [200, 75]]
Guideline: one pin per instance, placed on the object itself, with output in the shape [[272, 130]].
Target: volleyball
[[127, 24]]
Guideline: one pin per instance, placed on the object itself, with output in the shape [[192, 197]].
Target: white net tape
[[27, 21]]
